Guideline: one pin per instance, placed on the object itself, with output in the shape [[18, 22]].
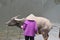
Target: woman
[[30, 29]]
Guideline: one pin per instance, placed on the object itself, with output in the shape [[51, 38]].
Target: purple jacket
[[30, 28]]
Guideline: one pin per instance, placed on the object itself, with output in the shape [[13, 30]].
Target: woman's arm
[[36, 28], [24, 26]]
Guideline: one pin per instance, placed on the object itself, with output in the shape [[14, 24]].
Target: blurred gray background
[[9, 8]]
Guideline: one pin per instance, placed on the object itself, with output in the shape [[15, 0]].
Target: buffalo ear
[[7, 22]]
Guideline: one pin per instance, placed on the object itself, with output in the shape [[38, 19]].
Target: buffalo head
[[14, 21]]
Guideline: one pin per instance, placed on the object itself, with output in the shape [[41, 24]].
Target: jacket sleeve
[[36, 28], [24, 26]]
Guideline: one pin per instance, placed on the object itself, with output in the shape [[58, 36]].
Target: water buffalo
[[44, 25]]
